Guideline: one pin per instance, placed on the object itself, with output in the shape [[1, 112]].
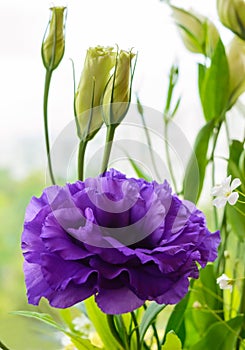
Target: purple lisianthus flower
[[123, 240]]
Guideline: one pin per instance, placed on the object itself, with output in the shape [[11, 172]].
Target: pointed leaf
[[81, 344], [149, 316], [99, 320], [213, 89], [172, 342], [176, 320]]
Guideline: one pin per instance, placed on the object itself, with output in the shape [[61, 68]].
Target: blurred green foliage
[[16, 332]]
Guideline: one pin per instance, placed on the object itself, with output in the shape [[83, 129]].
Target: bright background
[[145, 25]]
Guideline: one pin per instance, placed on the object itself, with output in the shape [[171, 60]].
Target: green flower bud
[[232, 15], [236, 61], [95, 75], [198, 33], [53, 47], [117, 94]]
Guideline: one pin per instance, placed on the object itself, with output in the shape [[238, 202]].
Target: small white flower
[[224, 192], [224, 282], [83, 325]]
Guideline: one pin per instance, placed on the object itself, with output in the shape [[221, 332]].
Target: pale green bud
[[198, 33], [95, 75], [53, 46], [236, 61], [232, 15], [117, 95]]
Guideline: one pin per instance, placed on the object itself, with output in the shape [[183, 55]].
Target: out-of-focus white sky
[[145, 25]]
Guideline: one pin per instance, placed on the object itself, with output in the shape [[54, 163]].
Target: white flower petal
[[233, 197], [235, 183], [217, 190], [227, 181], [219, 202]]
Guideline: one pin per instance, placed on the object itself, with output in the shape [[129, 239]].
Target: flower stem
[[108, 146], [136, 325], [81, 154], [239, 211], [216, 135], [241, 193], [111, 324], [45, 116], [170, 168]]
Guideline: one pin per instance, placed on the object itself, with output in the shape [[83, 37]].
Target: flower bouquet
[[129, 260]]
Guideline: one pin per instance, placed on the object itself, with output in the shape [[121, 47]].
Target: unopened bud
[[232, 15], [95, 75], [53, 46], [198, 33], [236, 61], [117, 94]]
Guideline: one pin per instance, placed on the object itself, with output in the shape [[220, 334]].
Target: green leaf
[[222, 335], [81, 344], [172, 342], [99, 320], [176, 320], [213, 87], [149, 316], [236, 168], [139, 172], [201, 75], [196, 167]]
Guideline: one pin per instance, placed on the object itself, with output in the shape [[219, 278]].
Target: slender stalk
[[159, 346], [170, 168], [216, 135], [81, 156], [111, 324], [125, 334], [220, 269], [3, 347], [45, 116], [239, 211], [241, 193], [136, 325], [108, 146]]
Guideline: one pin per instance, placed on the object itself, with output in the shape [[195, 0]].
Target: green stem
[[45, 116], [81, 155], [239, 211], [170, 168], [159, 346], [111, 324], [136, 325], [221, 259], [148, 138], [108, 146], [241, 193], [216, 135]]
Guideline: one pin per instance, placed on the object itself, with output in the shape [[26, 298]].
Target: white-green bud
[[236, 61], [198, 33], [117, 94], [95, 75], [232, 15], [53, 46]]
